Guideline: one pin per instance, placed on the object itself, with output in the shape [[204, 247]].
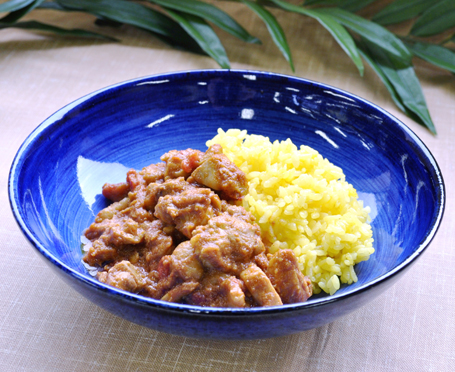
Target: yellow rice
[[302, 201]]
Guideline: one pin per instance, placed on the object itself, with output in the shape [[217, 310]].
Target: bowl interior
[[56, 179]]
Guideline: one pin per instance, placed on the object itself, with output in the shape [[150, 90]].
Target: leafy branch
[[191, 24]]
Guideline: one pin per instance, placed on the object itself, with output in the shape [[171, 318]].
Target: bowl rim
[[21, 154]]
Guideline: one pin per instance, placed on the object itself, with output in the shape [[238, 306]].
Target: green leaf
[[435, 20], [405, 83], [124, 12], [339, 33], [35, 25], [402, 10], [13, 5], [275, 30], [19, 12], [393, 93], [204, 36], [372, 32], [136, 15], [435, 54], [351, 5], [378, 69], [211, 14], [355, 5], [408, 88], [51, 5], [323, 2]]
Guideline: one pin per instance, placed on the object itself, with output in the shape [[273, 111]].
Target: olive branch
[[191, 24]]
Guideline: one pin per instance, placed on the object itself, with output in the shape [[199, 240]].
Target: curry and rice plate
[[247, 223], [303, 202]]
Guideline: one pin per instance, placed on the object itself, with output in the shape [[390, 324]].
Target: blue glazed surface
[[56, 178]]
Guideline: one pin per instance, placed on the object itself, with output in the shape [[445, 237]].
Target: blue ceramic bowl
[[57, 174]]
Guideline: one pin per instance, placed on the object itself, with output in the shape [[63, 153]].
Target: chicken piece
[[115, 191], [220, 174], [189, 209], [158, 243], [155, 191], [234, 292], [96, 229], [260, 287], [153, 173], [116, 231], [99, 253], [122, 231], [287, 279], [185, 262], [138, 214], [218, 290], [118, 191], [136, 209], [181, 163], [134, 179], [262, 261], [180, 291], [181, 266], [237, 212], [226, 243], [132, 205], [110, 211], [108, 237], [212, 150], [123, 275]]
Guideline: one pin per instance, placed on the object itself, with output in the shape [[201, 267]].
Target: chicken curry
[[175, 233]]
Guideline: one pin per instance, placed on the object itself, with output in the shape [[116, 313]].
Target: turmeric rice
[[302, 202]]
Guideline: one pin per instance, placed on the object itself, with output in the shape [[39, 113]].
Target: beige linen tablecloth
[[47, 326]]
